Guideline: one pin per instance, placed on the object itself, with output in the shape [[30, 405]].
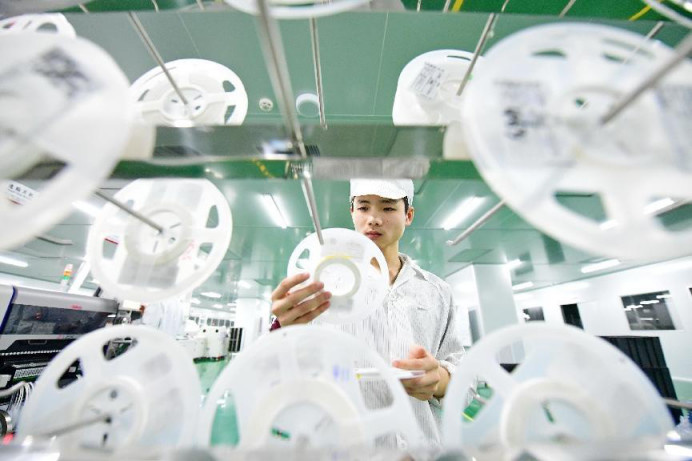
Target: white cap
[[387, 188]]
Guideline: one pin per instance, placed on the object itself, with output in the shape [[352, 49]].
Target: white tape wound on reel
[[532, 122], [215, 95], [136, 262], [46, 23], [426, 92], [148, 395], [297, 388], [343, 264], [298, 9], [61, 99], [571, 386]]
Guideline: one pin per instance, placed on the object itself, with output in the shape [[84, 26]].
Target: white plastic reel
[[62, 99], [150, 394], [299, 9], [215, 95], [343, 264], [590, 390], [144, 265], [49, 23], [297, 387], [532, 122], [426, 92]]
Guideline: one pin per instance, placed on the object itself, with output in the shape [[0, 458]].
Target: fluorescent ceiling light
[[522, 286], [244, 284], [599, 266], [195, 301], [230, 304], [659, 205], [13, 261], [663, 296], [513, 264], [218, 306], [462, 212], [273, 210], [87, 208], [651, 301], [576, 286], [211, 294]]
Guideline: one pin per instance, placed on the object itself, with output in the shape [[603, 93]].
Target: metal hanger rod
[[315, 38], [479, 47], [129, 210], [681, 52], [488, 214], [157, 57]]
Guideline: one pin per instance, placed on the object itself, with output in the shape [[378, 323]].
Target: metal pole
[[106, 417], [281, 81], [157, 57], [479, 47], [567, 7], [681, 52], [278, 72], [129, 210], [314, 37], [488, 214]]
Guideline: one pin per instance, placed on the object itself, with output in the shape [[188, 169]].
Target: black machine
[[36, 325]]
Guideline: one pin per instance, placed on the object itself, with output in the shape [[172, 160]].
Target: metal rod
[[157, 57], [129, 210], [655, 30], [315, 38], [504, 5], [83, 8], [479, 47], [54, 240], [445, 9], [681, 52], [273, 49], [488, 214], [678, 404], [78, 425], [567, 7], [156, 5], [309, 194], [418, 5], [200, 5]]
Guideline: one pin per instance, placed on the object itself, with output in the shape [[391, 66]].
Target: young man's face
[[380, 219]]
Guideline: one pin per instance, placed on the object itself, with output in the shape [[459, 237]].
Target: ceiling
[[361, 56]]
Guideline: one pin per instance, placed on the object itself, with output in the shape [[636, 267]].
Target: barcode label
[[428, 81]]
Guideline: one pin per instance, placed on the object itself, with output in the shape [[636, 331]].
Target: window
[[648, 311], [533, 314]]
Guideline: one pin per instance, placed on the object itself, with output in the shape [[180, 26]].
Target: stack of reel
[[531, 119]]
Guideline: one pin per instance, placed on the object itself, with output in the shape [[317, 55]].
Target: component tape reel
[[532, 122], [426, 92], [343, 264], [215, 94], [147, 397], [297, 387], [570, 387], [47, 22], [63, 107], [135, 261], [299, 9]]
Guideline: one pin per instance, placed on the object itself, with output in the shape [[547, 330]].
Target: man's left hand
[[433, 383]]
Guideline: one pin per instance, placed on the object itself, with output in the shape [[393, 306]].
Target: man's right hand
[[294, 307]]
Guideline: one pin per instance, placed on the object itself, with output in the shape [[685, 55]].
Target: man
[[415, 328]]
